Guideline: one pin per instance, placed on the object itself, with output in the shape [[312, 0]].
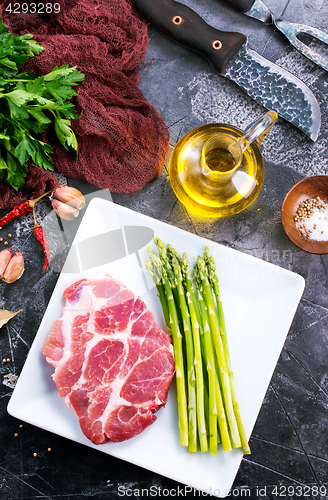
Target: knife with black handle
[[242, 5], [183, 25], [268, 84]]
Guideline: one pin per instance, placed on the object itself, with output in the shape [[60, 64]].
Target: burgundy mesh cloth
[[123, 141]]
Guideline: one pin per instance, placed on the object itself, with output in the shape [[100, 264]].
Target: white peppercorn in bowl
[[304, 214]]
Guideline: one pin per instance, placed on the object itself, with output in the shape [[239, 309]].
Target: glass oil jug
[[217, 169]]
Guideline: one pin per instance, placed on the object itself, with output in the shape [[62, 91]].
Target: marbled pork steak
[[113, 363]]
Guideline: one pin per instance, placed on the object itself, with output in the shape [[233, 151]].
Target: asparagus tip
[[172, 251]]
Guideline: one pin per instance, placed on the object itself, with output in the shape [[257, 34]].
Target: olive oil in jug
[[217, 169]]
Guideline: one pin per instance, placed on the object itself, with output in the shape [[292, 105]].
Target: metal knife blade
[[268, 84], [276, 89], [259, 11]]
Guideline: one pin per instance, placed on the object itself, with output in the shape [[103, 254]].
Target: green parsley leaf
[[24, 150], [39, 116], [33, 48], [65, 134], [16, 111], [7, 62], [59, 91], [3, 168], [16, 173], [69, 75]]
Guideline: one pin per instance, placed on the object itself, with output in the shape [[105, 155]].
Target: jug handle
[[258, 129]]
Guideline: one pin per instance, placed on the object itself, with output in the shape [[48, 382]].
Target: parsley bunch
[[29, 105]]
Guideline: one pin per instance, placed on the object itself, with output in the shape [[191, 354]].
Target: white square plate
[[259, 298]]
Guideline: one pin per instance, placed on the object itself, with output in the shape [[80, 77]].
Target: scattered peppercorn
[[6, 243], [8, 359], [49, 449], [16, 434], [9, 235]]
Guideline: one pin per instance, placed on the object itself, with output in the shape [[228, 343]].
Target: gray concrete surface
[[289, 442]]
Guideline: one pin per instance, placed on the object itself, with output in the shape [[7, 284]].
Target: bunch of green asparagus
[[207, 405]]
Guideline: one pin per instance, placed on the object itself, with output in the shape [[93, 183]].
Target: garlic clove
[[63, 210], [71, 196], [15, 268], [5, 257]]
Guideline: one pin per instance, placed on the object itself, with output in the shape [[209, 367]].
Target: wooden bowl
[[310, 187]]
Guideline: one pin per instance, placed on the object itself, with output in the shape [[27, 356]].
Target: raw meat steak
[[113, 363]]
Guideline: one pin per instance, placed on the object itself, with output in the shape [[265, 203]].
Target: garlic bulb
[[63, 210], [5, 257], [71, 196], [14, 268]]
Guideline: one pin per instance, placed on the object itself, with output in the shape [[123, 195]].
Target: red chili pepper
[[39, 234], [22, 209]]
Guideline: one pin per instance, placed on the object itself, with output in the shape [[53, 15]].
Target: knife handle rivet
[[217, 44], [177, 19]]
